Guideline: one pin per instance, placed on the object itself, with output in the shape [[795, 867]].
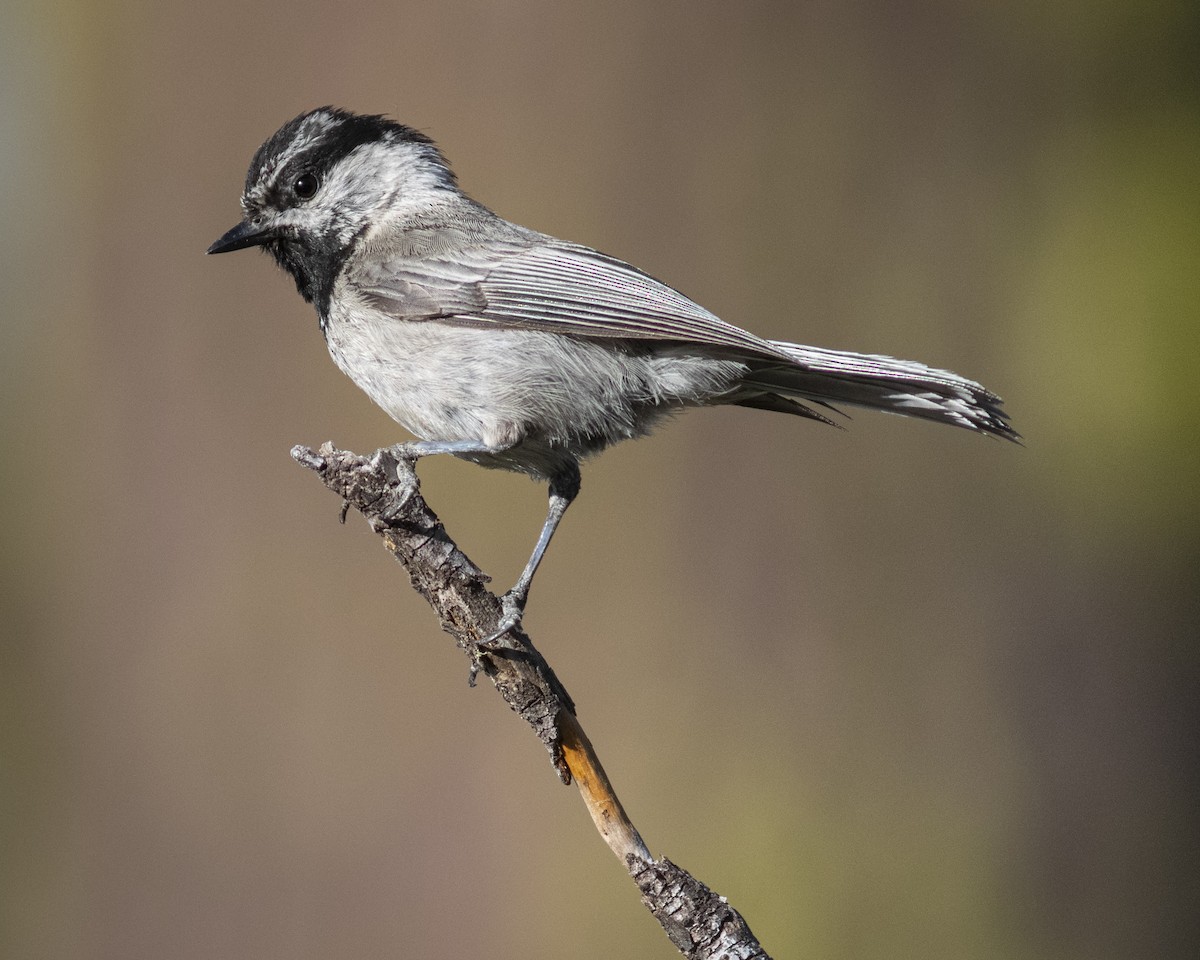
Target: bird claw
[[401, 452], [385, 460], [512, 609]]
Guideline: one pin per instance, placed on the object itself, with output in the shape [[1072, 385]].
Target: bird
[[509, 348]]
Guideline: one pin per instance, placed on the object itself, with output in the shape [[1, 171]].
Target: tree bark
[[386, 492]]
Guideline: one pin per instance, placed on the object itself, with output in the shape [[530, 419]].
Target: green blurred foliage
[[1111, 323]]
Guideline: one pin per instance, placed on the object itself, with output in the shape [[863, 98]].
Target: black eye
[[306, 186]]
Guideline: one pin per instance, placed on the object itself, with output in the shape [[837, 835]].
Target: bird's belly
[[420, 373], [512, 388]]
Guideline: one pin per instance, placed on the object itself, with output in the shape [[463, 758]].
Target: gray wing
[[550, 286], [530, 282]]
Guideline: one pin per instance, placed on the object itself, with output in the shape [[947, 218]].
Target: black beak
[[245, 234]]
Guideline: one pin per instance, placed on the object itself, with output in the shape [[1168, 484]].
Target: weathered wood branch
[[387, 493]]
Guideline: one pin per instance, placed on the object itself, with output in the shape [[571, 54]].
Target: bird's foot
[[400, 452], [407, 452], [512, 611], [387, 461]]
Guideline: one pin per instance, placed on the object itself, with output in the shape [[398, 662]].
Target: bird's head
[[323, 181]]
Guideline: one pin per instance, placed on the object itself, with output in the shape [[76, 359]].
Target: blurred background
[[895, 691]]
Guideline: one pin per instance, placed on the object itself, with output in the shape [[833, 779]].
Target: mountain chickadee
[[512, 349]]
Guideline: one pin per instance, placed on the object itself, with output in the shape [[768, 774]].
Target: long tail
[[829, 377]]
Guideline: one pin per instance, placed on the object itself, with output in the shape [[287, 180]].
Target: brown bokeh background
[[896, 691]]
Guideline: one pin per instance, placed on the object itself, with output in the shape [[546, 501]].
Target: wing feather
[[527, 281], [549, 286]]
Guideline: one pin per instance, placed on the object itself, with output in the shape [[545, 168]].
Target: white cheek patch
[[375, 169], [374, 179]]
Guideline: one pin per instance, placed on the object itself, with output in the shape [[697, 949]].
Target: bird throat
[[314, 264]]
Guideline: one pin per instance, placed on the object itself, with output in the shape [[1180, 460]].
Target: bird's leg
[[564, 487], [411, 452], [416, 449]]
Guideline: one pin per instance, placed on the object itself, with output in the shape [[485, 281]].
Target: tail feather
[[756, 398], [905, 387]]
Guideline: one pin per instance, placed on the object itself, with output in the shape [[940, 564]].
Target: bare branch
[[387, 493]]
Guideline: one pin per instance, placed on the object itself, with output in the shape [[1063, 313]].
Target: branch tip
[[307, 457]]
